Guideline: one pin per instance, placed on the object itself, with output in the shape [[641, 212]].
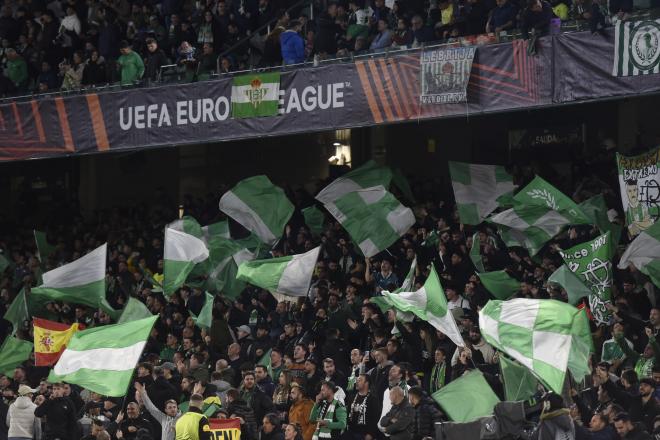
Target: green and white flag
[[373, 217], [182, 252], [205, 317], [574, 287], [219, 229], [519, 382], [102, 359], [467, 398], [18, 312], [538, 333], [289, 275], [44, 249], [82, 281], [590, 261], [644, 254], [368, 175], [638, 182], [260, 206], [13, 353], [314, 219], [636, 48], [477, 188], [475, 253], [428, 304], [255, 95], [225, 255], [188, 225], [539, 213], [500, 284], [133, 311], [596, 210]]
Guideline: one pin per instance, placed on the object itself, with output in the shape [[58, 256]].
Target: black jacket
[[639, 411], [372, 413], [637, 433], [426, 414], [239, 408], [398, 421], [62, 421], [153, 63]]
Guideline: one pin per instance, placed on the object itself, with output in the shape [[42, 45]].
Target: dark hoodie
[[554, 424]]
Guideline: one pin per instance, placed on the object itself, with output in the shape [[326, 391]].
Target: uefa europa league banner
[[639, 181], [590, 261]]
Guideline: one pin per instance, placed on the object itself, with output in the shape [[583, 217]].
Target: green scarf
[[326, 413], [437, 377], [644, 367]]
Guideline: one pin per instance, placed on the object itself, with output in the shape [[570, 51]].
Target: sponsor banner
[[636, 48], [445, 74], [639, 181], [225, 429], [367, 92]]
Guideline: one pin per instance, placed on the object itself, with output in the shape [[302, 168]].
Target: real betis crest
[[645, 45], [256, 93]]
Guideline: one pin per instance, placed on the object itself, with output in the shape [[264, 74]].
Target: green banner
[[590, 261]]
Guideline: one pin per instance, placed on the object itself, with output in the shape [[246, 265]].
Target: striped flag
[[636, 48], [50, 340], [255, 95]]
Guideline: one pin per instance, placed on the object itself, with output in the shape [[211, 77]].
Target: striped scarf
[[327, 413], [437, 377]]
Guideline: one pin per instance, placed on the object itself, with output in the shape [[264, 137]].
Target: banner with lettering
[[445, 74], [591, 262], [639, 180], [225, 429]]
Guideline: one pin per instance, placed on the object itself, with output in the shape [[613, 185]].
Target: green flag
[[432, 239], [18, 313], [477, 188], [368, 175], [574, 287], [500, 284], [644, 253], [266, 362], [590, 261], [44, 249], [188, 225], [314, 219], [182, 252], [373, 217], [205, 317], [259, 206], [467, 398], [133, 310], [225, 255], [475, 253], [102, 359], [255, 95], [519, 382], [82, 281], [13, 353], [401, 182], [596, 209]]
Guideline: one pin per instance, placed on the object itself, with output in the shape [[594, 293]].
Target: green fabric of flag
[[102, 359], [429, 304], [182, 252], [113, 313], [401, 182], [314, 219], [255, 95], [431, 240], [44, 249], [81, 282], [477, 188], [475, 253], [17, 312], [500, 284], [582, 347], [538, 333], [13, 353], [467, 398], [596, 209], [519, 382], [644, 254], [539, 213], [574, 287], [290, 275], [188, 225], [373, 217], [205, 317], [266, 362], [368, 175], [133, 311], [590, 261], [218, 229], [259, 206], [225, 255]]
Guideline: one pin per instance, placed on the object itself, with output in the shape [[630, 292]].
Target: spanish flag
[[50, 340]]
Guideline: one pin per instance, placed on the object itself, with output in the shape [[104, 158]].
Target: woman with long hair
[[281, 399]]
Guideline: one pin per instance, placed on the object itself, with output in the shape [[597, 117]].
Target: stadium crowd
[[338, 365], [69, 44]]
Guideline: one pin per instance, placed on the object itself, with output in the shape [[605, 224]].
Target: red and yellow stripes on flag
[[225, 429], [50, 340]]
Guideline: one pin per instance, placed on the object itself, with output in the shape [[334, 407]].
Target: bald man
[[398, 421]]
